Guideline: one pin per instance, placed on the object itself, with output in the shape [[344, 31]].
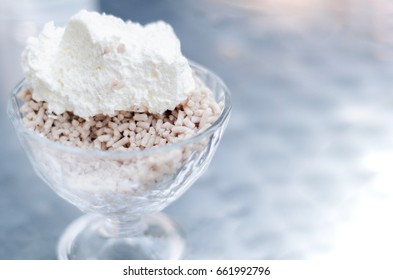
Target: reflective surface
[[303, 170]]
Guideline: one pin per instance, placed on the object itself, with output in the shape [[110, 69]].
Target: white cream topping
[[98, 64]]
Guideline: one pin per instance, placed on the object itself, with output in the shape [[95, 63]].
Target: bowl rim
[[16, 118]]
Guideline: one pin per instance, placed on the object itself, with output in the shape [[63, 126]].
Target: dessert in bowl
[[122, 165]]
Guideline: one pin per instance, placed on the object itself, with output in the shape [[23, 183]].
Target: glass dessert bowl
[[123, 192]]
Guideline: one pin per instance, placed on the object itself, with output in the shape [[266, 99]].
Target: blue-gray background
[[304, 168]]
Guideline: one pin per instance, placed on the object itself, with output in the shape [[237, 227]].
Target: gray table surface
[[304, 168]]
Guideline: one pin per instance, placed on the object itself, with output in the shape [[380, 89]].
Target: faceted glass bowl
[[123, 191]]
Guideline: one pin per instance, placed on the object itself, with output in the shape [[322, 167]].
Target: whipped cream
[[99, 64]]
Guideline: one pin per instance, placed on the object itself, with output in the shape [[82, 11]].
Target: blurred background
[[304, 169]]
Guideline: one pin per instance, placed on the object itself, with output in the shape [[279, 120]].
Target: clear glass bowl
[[123, 191]]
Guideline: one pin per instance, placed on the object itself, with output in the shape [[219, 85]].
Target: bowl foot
[[86, 238]]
